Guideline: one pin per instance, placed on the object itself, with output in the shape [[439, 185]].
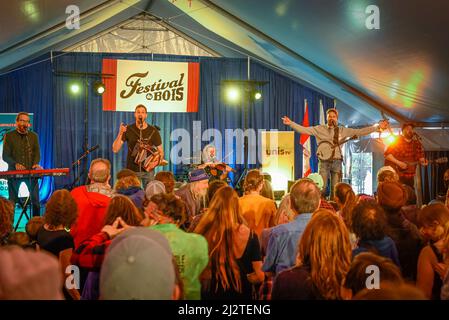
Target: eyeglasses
[[23, 120]]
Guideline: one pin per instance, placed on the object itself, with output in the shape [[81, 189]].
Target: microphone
[[140, 122]]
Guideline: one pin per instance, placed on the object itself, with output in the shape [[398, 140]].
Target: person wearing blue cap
[[194, 193]]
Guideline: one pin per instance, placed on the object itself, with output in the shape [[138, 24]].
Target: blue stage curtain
[[281, 96], [30, 89]]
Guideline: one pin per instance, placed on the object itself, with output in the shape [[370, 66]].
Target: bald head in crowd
[[100, 171], [305, 196]]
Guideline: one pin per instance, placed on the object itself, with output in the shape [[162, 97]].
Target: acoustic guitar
[[414, 163]]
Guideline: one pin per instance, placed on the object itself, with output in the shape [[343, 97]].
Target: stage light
[[232, 94], [99, 88], [391, 139], [257, 95], [75, 88]]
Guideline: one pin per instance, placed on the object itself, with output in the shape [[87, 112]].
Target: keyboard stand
[[24, 208]]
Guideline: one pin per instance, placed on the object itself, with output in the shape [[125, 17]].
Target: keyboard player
[[21, 152]]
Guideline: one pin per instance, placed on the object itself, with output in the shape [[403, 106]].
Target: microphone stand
[[140, 140], [76, 164]]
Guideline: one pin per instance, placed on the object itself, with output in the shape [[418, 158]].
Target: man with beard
[[405, 154], [194, 192], [144, 146], [329, 138], [21, 152]]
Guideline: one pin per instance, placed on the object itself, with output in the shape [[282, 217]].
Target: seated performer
[[215, 169]]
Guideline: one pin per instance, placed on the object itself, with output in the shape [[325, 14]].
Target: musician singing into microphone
[[21, 152], [405, 154], [329, 138], [144, 145]]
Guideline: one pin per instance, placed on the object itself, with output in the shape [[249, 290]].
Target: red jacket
[[90, 253], [91, 214]]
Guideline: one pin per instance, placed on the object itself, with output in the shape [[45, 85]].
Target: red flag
[[305, 143]]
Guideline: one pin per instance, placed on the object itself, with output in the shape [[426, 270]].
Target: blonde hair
[[325, 247], [218, 226]]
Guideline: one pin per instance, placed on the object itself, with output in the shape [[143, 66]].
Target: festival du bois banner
[[159, 86]]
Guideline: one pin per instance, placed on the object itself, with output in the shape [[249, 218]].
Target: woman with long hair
[[324, 258], [346, 200], [234, 252]]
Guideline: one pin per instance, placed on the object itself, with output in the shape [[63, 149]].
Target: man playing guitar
[[405, 154]]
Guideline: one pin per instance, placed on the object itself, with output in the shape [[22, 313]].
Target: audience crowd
[[201, 241]]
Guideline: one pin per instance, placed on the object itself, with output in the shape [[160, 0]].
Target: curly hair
[[6, 216], [326, 249], [171, 207], [121, 206], [369, 221], [127, 182], [61, 209]]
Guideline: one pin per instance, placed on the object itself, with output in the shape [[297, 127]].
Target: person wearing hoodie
[[92, 201], [128, 184]]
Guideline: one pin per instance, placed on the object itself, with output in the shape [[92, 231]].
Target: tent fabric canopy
[[400, 68]]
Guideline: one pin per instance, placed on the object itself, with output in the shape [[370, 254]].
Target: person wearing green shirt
[[167, 213]]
